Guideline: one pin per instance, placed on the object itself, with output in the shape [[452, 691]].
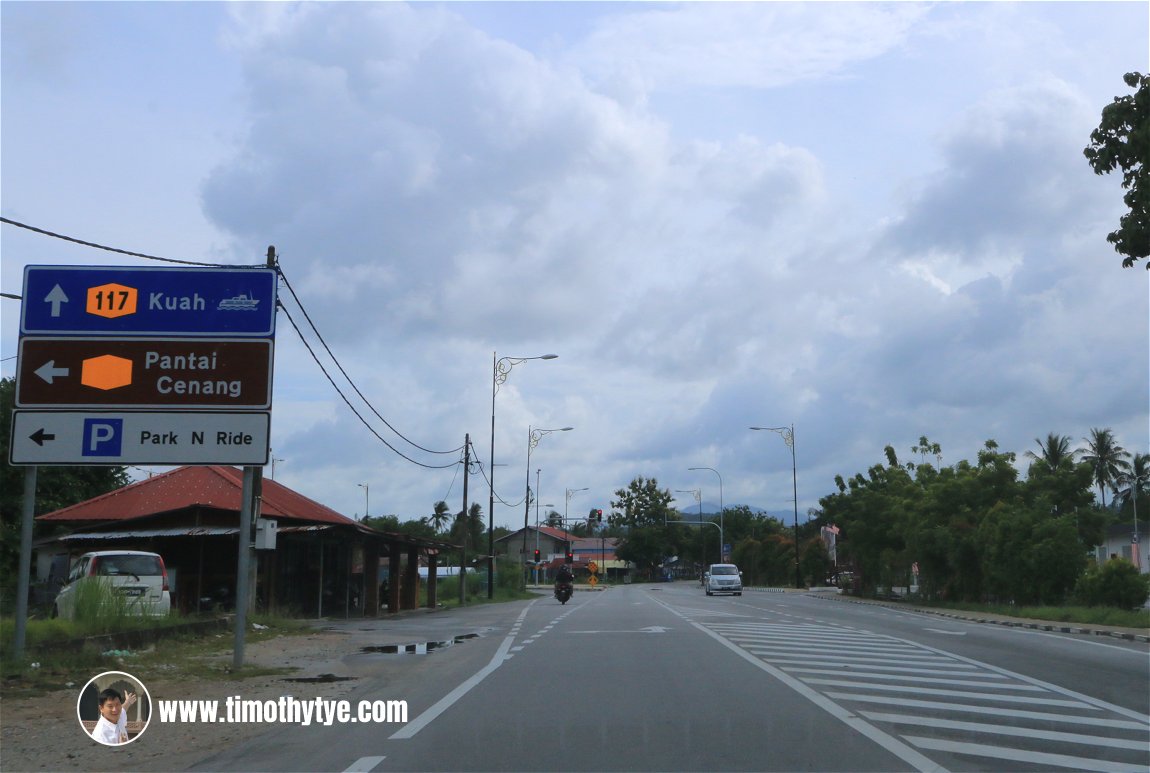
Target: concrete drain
[[419, 648]]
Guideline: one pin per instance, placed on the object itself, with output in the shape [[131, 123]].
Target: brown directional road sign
[[144, 372]]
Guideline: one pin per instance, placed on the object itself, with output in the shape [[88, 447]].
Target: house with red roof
[[553, 544], [310, 560]]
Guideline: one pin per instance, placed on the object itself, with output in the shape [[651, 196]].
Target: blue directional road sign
[[125, 300]]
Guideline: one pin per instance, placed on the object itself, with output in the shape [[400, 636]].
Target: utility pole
[[466, 525]]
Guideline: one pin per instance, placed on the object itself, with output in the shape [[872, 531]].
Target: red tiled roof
[[208, 486], [558, 534]]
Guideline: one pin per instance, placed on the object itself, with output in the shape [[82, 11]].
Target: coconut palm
[[1106, 458], [439, 519], [1054, 452], [1136, 482]]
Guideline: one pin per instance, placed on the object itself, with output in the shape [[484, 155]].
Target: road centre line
[[1000, 729], [447, 701], [364, 765]]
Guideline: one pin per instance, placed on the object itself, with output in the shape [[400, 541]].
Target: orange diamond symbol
[[106, 372], [111, 300]]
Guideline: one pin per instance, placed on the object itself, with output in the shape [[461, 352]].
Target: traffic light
[[569, 558], [599, 516], [536, 555]]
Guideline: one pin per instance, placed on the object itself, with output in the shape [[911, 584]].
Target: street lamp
[[722, 554], [1136, 545], [566, 500], [366, 499], [500, 370], [569, 491], [533, 438], [536, 573], [788, 434]]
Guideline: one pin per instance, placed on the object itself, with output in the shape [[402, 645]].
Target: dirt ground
[[43, 733]]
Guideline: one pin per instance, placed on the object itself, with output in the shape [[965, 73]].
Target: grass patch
[[1077, 615], [58, 653], [447, 592]]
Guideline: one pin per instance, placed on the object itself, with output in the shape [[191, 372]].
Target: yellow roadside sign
[[592, 567], [593, 581]]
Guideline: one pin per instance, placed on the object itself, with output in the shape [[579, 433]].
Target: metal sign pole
[[25, 562], [242, 562]]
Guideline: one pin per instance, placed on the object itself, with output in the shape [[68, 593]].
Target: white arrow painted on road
[[49, 371], [56, 297], [948, 633], [648, 629]]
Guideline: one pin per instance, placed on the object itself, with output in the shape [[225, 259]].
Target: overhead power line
[[299, 332]]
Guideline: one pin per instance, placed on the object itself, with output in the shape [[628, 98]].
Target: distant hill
[[711, 510]]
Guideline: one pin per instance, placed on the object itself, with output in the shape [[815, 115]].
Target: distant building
[[1120, 544]]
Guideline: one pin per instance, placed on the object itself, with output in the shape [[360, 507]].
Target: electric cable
[[119, 251], [335, 360], [358, 415]]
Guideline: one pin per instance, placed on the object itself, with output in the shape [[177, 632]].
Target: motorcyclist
[[564, 576]]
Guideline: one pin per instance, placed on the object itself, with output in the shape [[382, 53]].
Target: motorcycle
[[563, 591]]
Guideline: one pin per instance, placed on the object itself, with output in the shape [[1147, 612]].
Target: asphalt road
[[661, 677]]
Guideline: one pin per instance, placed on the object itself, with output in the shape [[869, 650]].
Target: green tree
[[1117, 583], [1122, 140], [56, 487], [440, 517], [644, 511], [1106, 458]]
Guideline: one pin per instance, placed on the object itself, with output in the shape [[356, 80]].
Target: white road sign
[[139, 437]]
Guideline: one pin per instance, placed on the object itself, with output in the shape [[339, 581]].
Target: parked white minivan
[[724, 578], [137, 577]]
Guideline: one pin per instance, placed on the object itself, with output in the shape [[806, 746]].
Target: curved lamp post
[[788, 434], [366, 499], [722, 555], [533, 438], [1135, 542], [500, 370]]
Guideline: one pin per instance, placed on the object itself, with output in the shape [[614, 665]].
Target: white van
[[724, 578], [138, 577]]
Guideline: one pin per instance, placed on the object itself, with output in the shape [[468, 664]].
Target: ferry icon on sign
[[242, 302]]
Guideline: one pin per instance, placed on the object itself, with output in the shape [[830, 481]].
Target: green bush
[[1116, 583]]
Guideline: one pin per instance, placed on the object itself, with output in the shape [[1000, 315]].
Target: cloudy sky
[[873, 222]]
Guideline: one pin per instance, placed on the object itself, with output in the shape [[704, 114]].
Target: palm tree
[[1106, 458], [1054, 452], [468, 530], [1137, 481], [440, 518]]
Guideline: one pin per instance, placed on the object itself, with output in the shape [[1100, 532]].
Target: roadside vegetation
[[1122, 618], [65, 653]]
